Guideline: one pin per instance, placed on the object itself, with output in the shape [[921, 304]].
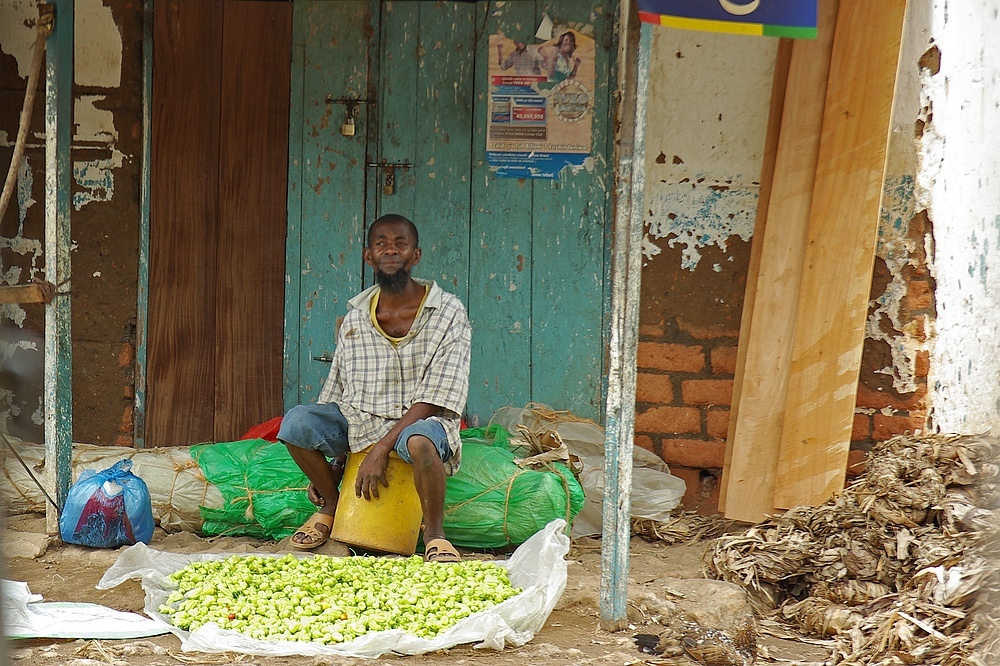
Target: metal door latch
[[389, 184], [351, 105]]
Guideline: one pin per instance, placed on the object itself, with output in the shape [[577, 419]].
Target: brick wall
[[892, 390], [683, 393], [685, 378]]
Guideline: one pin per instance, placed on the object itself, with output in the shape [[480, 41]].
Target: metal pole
[[58, 178], [633, 73]]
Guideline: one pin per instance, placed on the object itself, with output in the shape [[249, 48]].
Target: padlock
[[347, 129]]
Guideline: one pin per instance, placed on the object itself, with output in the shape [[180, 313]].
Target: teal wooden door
[[528, 257]]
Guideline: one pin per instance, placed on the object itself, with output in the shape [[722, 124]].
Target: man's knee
[[422, 450]]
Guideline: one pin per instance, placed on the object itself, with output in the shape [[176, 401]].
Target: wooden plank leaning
[[766, 332], [839, 253]]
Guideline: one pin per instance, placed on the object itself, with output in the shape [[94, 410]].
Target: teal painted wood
[[482, 236], [293, 256], [570, 235], [335, 65], [58, 186], [441, 131], [397, 103], [500, 251], [629, 187], [142, 291]]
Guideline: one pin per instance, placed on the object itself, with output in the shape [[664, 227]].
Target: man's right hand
[[371, 473]]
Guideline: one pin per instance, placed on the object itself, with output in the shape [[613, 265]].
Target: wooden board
[[251, 231], [767, 327], [779, 85], [326, 195], [839, 253], [27, 293], [180, 370], [571, 248]]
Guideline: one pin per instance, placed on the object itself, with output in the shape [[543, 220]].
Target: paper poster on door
[[541, 104]]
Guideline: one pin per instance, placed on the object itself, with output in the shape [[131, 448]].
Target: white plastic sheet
[[538, 566], [26, 616]]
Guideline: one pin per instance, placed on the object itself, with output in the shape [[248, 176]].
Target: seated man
[[398, 382]]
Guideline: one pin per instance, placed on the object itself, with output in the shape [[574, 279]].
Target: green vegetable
[[332, 599]]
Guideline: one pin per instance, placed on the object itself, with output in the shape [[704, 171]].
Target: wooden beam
[[839, 253], [27, 293], [779, 84], [764, 352], [145, 184]]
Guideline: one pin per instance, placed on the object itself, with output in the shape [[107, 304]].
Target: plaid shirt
[[374, 382]]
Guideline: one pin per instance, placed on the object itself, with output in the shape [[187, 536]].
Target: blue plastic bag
[[107, 509]]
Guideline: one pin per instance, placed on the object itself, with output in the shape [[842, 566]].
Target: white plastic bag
[[655, 491], [538, 566]]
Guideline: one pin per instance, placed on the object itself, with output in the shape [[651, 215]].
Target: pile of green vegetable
[[332, 599]]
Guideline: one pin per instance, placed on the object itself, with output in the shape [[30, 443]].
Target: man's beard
[[394, 283]]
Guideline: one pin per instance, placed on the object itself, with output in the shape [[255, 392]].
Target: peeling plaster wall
[[892, 391], [959, 183], [705, 142], [105, 153], [709, 100]]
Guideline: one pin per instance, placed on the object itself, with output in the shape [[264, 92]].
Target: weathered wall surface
[[709, 99], [106, 165], [704, 152], [892, 391], [960, 186], [708, 110]]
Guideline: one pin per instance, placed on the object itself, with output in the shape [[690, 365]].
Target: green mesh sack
[[264, 491], [489, 503], [492, 503]]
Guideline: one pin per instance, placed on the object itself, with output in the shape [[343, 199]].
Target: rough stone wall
[[106, 164]]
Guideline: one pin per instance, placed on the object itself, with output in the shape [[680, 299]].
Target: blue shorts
[[323, 428]]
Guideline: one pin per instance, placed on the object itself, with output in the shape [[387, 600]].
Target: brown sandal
[[309, 529], [441, 550]]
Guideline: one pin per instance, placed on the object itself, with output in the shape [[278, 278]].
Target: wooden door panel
[[330, 36], [180, 369], [569, 252], [251, 236], [528, 257], [501, 264], [217, 218], [427, 120]]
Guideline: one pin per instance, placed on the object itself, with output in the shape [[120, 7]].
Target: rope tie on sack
[[178, 470], [506, 500]]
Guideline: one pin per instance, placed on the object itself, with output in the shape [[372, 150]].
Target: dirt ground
[[572, 634]]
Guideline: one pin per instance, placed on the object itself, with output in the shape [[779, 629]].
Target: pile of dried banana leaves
[[901, 568]]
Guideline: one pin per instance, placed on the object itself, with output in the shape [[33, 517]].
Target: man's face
[[520, 46], [392, 253]]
